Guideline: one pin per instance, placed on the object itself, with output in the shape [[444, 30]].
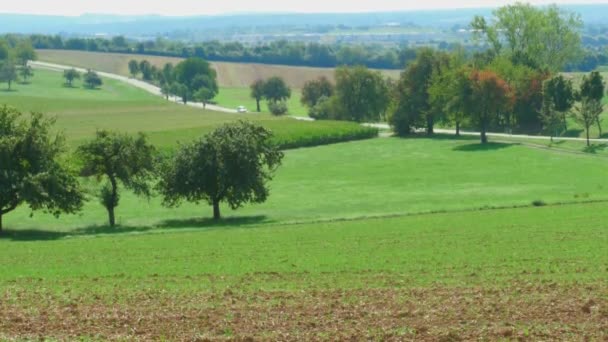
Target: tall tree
[[450, 92], [257, 92], [232, 164], [361, 94], [551, 118], [70, 75], [593, 89], [276, 90], [31, 172], [146, 70], [133, 68], [25, 52], [558, 93], [118, 158], [545, 37], [586, 114], [490, 95]]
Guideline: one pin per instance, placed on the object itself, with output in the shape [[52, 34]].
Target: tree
[[450, 92], [586, 114], [232, 164], [194, 74], [8, 73], [558, 99], [414, 108], [133, 68], [146, 70], [490, 95], [31, 172], [314, 90], [361, 94], [70, 75], [4, 51], [25, 52], [593, 89], [204, 95], [257, 92], [92, 80], [118, 158], [25, 72], [545, 37], [276, 90]]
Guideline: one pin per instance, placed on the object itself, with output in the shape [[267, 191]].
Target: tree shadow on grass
[[573, 133], [4, 90], [595, 148], [95, 230], [439, 136], [491, 146]]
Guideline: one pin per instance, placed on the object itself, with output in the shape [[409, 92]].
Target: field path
[[134, 82], [496, 135]]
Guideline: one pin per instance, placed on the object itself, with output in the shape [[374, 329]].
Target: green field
[[430, 239], [118, 106], [234, 97]]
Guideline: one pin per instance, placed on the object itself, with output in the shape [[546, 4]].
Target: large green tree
[[558, 99], [361, 94], [540, 37], [70, 75], [232, 164], [92, 80], [194, 74], [30, 168], [118, 158], [316, 89], [450, 93], [276, 90]]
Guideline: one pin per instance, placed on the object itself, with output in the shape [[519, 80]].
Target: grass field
[[117, 106], [230, 75], [426, 239]]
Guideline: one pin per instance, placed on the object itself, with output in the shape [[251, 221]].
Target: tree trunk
[[457, 128], [484, 137], [216, 210], [257, 102], [0, 222], [430, 123], [588, 144], [111, 217]]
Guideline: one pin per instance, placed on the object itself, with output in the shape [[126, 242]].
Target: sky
[[199, 7]]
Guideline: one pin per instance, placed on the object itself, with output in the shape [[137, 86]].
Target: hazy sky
[[193, 7]]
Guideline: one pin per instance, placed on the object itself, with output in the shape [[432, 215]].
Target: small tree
[[25, 52], [278, 108], [204, 95], [70, 75], [276, 90], [586, 114], [558, 92], [257, 92], [26, 72], [146, 70], [118, 157], [8, 73], [133, 68], [551, 118], [92, 80], [30, 171], [315, 90], [232, 164]]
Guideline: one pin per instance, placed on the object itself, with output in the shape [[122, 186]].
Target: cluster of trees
[[277, 52], [233, 164], [191, 79], [275, 91], [90, 78], [14, 62]]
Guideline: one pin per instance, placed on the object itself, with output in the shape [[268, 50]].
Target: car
[[241, 109]]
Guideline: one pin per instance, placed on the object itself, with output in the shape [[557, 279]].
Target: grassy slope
[[230, 75], [381, 177], [80, 112]]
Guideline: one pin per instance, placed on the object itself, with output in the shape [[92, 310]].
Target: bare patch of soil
[[520, 312]]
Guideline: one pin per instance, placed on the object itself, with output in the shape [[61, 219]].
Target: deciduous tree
[[92, 80], [70, 75], [276, 90], [257, 92], [490, 95], [133, 68], [194, 74], [8, 73], [232, 164], [361, 94], [30, 168], [118, 158], [314, 90]]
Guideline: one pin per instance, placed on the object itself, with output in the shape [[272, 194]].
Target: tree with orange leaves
[[490, 96]]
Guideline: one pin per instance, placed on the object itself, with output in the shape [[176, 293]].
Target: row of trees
[[191, 79], [14, 62], [232, 164]]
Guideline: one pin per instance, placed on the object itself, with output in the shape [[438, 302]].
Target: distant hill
[[152, 26]]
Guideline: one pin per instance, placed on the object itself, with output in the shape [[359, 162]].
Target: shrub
[[277, 108]]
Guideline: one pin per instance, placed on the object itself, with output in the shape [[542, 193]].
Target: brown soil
[[548, 313]]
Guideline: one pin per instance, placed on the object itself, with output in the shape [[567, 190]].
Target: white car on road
[[241, 109]]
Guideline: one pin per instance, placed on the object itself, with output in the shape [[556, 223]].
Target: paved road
[[497, 135]]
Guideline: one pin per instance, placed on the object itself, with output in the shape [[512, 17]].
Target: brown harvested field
[[524, 312], [235, 75]]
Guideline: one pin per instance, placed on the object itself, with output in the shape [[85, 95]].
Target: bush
[[322, 110], [308, 134], [539, 203], [277, 108]]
